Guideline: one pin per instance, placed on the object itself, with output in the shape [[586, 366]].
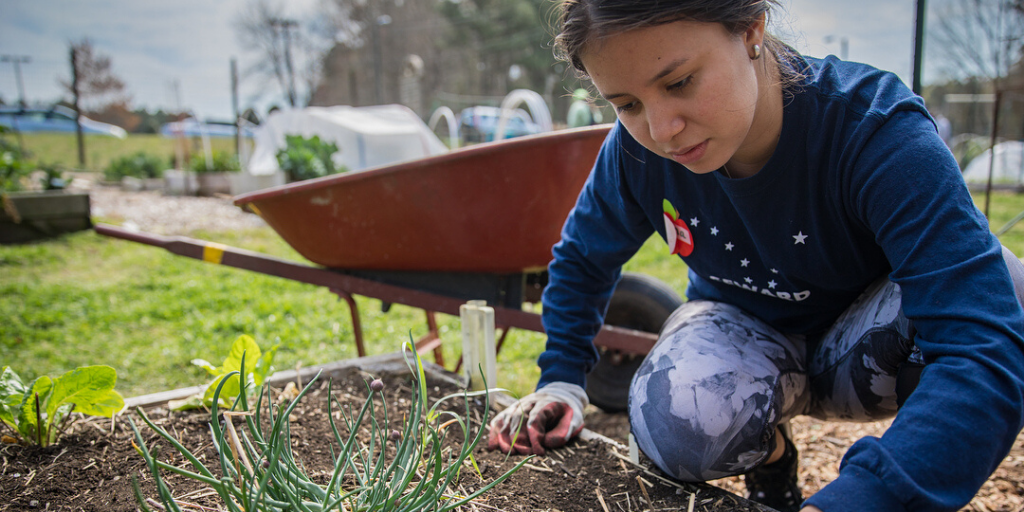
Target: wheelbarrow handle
[[627, 340]]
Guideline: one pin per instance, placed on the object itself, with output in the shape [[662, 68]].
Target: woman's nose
[[664, 124]]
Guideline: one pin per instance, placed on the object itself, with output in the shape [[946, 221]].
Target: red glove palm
[[553, 415]]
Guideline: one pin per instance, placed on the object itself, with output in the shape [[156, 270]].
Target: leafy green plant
[[220, 161], [407, 470], [53, 177], [13, 166], [255, 371], [39, 412], [307, 158], [137, 165]]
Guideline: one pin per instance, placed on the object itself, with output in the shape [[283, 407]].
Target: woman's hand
[[553, 415]]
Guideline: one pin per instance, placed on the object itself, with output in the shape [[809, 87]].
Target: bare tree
[[98, 86], [93, 85], [982, 39], [289, 48]]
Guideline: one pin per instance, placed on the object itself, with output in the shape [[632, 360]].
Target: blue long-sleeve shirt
[[859, 187]]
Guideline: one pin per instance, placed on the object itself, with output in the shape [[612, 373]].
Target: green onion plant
[[259, 473]]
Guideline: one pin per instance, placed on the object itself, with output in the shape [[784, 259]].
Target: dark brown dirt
[[91, 468]]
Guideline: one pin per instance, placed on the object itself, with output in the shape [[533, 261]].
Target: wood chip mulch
[[822, 444]]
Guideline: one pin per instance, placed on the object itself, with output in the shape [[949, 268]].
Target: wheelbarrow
[[473, 224]]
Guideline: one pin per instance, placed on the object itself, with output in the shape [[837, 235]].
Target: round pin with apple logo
[[680, 241]]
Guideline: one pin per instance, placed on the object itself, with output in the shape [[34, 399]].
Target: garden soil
[[91, 469]]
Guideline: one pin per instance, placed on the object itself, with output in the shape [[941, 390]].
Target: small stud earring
[[757, 52]]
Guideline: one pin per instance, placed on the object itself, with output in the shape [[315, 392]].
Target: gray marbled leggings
[[706, 400]]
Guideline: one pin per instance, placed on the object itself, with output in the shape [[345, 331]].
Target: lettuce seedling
[[39, 412], [257, 368]]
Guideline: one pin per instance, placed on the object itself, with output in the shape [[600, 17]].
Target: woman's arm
[[967, 409], [604, 229]]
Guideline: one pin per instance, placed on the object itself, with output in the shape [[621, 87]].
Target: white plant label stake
[[478, 343], [634, 451]]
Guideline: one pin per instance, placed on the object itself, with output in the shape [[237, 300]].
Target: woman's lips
[[690, 155]]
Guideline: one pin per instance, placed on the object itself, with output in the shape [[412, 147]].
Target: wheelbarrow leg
[[432, 340], [357, 328]]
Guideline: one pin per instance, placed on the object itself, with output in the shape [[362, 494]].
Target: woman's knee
[[706, 399], [701, 427]]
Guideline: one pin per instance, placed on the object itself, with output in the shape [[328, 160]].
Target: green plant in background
[[260, 473], [41, 411], [255, 371], [307, 158], [220, 161], [13, 166], [52, 178], [138, 165]]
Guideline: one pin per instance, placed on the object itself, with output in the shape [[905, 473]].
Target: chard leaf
[[28, 420], [230, 390], [90, 389], [206, 365], [193, 402], [11, 392], [243, 345], [104, 403]]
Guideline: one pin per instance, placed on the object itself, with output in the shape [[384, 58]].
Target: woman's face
[[690, 92]]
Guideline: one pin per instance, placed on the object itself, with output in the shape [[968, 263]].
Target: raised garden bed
[[28, 216], [91, 468]]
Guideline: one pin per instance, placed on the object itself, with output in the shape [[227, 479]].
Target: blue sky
[[155, 43]]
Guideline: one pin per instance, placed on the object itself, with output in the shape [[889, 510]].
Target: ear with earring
[[757, 52]]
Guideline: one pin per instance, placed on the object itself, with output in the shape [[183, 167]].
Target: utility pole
[[78, 115], [286, 26], [234, 107], [378, 56], [17, 60], [922, 12]]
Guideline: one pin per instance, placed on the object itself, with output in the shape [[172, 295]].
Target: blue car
[[191, 128], [478, 124], [57, 119]]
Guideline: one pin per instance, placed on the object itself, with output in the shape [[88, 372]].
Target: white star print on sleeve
[[799, 237]]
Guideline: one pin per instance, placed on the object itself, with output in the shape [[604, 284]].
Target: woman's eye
[[627, 108], [680, 84]]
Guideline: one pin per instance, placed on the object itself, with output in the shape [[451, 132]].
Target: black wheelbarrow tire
[[640, 302]]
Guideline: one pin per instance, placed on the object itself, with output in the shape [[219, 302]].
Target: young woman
[[836, 261]]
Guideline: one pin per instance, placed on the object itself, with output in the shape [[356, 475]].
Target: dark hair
[[583, 21]]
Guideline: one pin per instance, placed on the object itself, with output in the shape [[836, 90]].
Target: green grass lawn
[[87, 299]]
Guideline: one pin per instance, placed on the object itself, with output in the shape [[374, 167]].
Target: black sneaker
[[775, 484]]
